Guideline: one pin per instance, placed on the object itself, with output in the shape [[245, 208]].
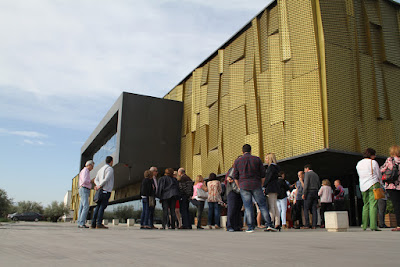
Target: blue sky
[[64, 63]]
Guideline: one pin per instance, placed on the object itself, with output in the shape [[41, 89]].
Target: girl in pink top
[[198, 202], [325, 193]]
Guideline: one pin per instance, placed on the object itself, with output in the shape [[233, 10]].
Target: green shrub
[[55, 210], [5, 203]]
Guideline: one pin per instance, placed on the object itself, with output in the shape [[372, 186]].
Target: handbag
[[379, 193], [391, 176], [202, 194], [152, 201]]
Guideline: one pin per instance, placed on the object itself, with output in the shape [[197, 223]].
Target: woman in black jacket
[[272, 188], [283, 186], [168, 192], [147, 194]]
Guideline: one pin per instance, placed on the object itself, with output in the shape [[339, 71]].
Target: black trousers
[[381, 212], [299, 207], [200, 208], [169, 205], [234, 206], [395, 198], [310, 204], [324, 207], [184, 209]]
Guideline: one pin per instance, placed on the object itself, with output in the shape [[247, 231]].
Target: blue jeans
[[144, 218], [259, 197], [213, 214], [84, 193], [151, 216], [99, 210]]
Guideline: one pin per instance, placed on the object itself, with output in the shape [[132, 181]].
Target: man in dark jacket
[[168, 192], [186, 192], [248, 172], [310, 196]]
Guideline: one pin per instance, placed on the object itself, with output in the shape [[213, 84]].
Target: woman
[[197, 201], [283, 187], [393, 189], [168, 192], [369, 175], [177, 208], [147, 192], [214, 190], [325, 193], [234, 203], [271, 187]]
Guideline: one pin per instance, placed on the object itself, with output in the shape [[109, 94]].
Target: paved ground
[[63, 244]]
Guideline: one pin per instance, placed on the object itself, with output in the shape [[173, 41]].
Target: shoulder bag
[[379, 193], [203, 195]]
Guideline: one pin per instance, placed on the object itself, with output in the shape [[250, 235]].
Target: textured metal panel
[[256, 40], [189, 154], [204, 149], [302, 37], [213, 140], [237, 48], [361, 25], [276, 81], [342, 96], [196, 165], [284, 31], [237, 126], [197, 75], [251, 108], [204, 74], [237, 84], [250, 51], [263, 24], [391, 34], [273, 20], [204, 110], [334, 20], [307, 114], [213, 81], [196, 145], [213, 163], [221, 61], [350, 7], [371, 6], [392, 74]]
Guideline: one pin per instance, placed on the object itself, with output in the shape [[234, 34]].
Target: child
[[325, 193]]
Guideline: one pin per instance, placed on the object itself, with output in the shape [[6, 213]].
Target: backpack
[[390, 176]]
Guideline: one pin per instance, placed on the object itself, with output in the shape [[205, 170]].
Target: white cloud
[[31, 134], [33, 142]]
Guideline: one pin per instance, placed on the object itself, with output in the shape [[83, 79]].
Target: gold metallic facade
[[300, 77]]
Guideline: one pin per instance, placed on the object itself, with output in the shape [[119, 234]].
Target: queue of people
[[246, 186]]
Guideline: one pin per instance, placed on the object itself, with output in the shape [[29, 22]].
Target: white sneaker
[[249, 231], [271, 229]]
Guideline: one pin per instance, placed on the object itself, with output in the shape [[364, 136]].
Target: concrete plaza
[[63, 244]]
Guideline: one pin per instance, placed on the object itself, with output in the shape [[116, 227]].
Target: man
[[310, 195], [186, 192], [154, 172], [105, 182], [84, 192], [299, 206], [338, 198], [249, 175]]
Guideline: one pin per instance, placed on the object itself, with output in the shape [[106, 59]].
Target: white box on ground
[[105, 222], [336, 221], [223, 221], [130, 222], [115, 221]]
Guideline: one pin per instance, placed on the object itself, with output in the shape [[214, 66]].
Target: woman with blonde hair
[[325, 193], [272, 187], [199, 201], [392, 186]]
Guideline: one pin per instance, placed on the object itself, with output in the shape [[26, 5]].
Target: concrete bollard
[[223, 221], [336, 221], [105, 222], [115, 221], [130, 222]]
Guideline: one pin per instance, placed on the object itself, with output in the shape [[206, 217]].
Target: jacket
[[167, 187], [185, 186], [283, 188], [271, 179], [147, 188], [311, 182]]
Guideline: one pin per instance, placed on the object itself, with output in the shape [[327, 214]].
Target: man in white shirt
[[105, 182]]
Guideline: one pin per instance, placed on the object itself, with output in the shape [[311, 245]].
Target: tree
[[124, 212], [55, 210], [5, 203], [29, 206]]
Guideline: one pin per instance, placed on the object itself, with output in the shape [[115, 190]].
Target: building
[[314, 81]]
